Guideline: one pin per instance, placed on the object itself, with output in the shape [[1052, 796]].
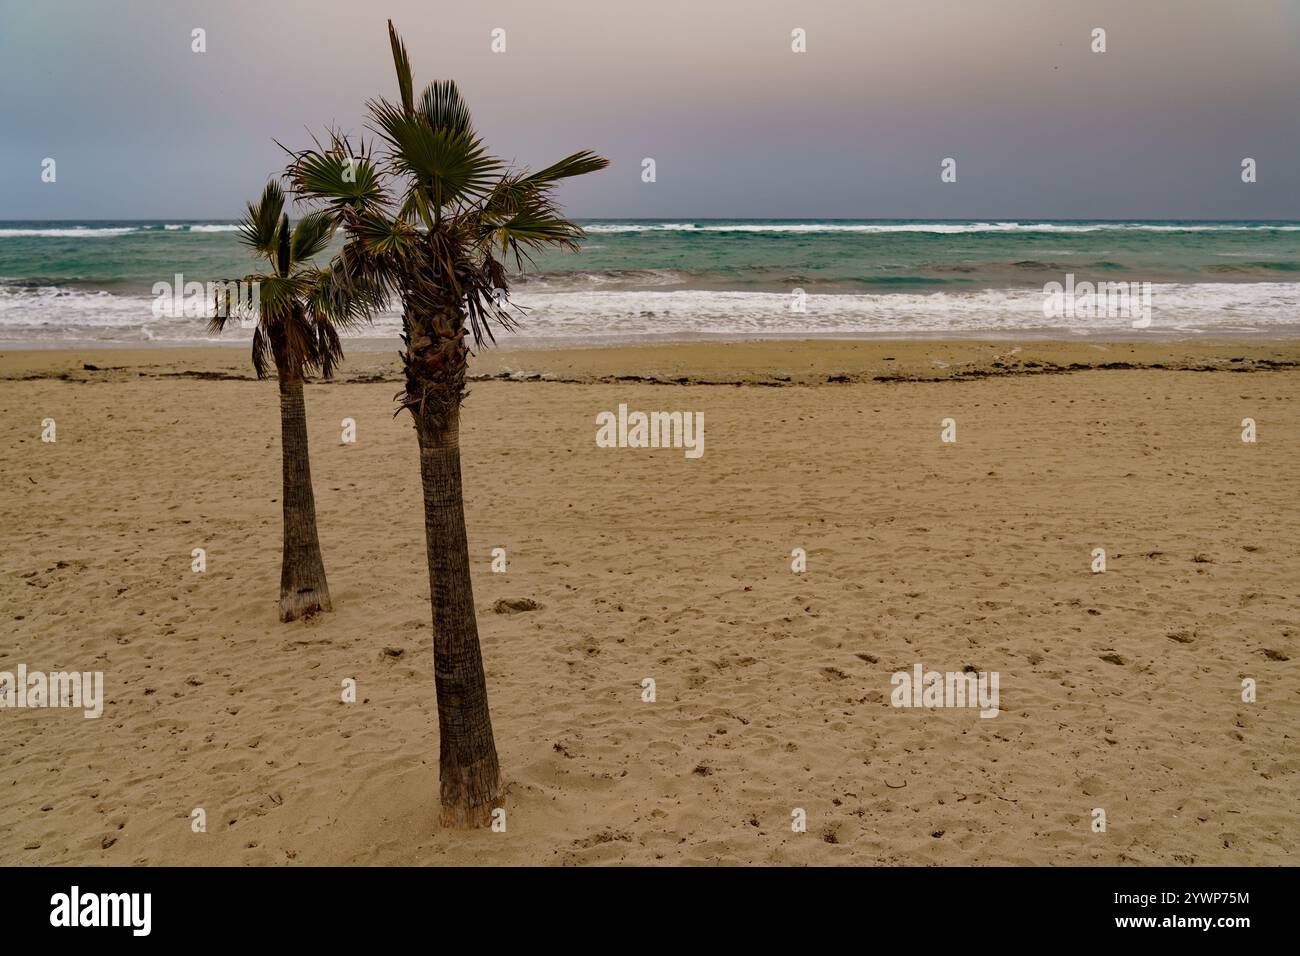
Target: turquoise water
[[858, 256], [69, 281]]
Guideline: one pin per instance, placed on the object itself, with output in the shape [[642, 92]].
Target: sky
[[739, 125]]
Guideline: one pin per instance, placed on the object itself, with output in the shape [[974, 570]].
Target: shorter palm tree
[[299, 313]]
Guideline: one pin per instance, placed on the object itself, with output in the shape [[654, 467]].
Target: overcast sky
[[739, 125]]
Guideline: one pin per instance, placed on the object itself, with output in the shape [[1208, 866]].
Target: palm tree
[[432, 220], [298, 317]]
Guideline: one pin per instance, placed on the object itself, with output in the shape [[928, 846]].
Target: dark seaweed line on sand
[[774, 381]]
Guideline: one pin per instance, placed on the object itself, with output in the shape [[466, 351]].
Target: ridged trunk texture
[[468, 769], [470, 776], [303, 589]]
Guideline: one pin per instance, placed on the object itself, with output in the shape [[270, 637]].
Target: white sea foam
[[938, 228], [59, 314], [931, 227], [1222, 306], [53, 308], [108, 232], [72, 232]]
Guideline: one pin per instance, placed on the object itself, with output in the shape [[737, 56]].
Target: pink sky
[[1155, 127]]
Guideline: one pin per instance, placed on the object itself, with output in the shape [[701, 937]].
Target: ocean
[[68, 283]]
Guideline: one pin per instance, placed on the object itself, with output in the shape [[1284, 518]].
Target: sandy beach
[[1120, 690]]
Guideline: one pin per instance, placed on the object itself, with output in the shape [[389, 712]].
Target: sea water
[[78, 282]]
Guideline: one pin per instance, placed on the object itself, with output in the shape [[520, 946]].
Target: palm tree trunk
[[303, 589], [470, 776]]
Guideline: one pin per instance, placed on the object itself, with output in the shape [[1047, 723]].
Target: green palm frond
[[508, 196], [520, 217], [579, 164], [367, 273], [533, 230], [283, 249], [450, 164], [340, 300], [417, 207], [277, 296], [387, 237], [311, 236], [337, 178], [442, 106], [402, 62], [259, 227]]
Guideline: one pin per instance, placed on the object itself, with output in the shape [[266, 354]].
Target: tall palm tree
[[432, 218], [298, 315]]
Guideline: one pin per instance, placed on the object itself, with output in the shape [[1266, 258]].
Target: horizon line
[[695, 219]]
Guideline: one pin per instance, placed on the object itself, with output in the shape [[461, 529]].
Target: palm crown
[[433, 218], [299, 310]]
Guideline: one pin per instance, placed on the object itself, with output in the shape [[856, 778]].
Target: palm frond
[[341, 301], [263, 359], [386, 237], [366, 273], [484, 310], [579, 164], [277, 296], [417, 207], [441, 104], [283, 250], [336, 177], [295, 337], [533, 230], [508, 196], [233, 299], [450, 164], [311, 236], [402, 63], [258, 228], [327, 348]]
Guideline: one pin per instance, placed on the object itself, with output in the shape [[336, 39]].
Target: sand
[[1119, 691]]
